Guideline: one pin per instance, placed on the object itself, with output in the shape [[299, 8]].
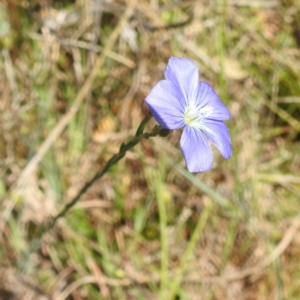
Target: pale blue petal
[[218, 132], [206, 96], [164, 104], [196, 150], [185, 75]]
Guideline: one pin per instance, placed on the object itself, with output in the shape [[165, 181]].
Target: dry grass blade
[[281, 247], [90, 279], [11, 77], [63, 123]]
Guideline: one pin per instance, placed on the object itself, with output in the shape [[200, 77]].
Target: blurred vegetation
[[72, 77]]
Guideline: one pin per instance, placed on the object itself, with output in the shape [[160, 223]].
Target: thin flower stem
[[113, 160], [140, 134], [188, 252], [140, 129]]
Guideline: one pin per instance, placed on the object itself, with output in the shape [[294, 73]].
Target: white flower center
[[193, 115]]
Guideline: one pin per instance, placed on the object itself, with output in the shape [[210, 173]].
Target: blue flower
[[182, 101]]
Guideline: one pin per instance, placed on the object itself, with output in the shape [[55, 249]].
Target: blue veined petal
[[206, 96], [218, 132], [185, 76], [165, 105], [196, 150]]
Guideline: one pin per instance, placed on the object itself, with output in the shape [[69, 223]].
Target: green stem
[[113, 160], [140, 134], [188, 252], [140, 129]]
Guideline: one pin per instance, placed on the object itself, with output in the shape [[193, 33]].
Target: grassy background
[[74, 76]]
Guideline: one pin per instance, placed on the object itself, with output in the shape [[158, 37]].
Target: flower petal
[[165, 106], [185, 76], [196, 150], [206, 96], [218, 132]]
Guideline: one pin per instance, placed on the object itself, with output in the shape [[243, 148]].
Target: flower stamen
[[206, 111], [193, 115]]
